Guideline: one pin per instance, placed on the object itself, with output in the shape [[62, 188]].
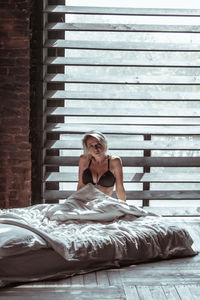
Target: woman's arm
[[121, 194], [80, 172]]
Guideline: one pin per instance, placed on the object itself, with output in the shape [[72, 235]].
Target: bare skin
[[99, 166]]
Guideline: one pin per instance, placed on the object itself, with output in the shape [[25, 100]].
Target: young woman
[[98, 168]]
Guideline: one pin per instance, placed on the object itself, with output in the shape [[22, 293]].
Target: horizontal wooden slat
[[100, 61], [121, 95], [132, 161], [110, 120], [106, 79], [132, 177], [122, 112], [125, 129], [137, 195], [121, 11], [122, 27], [172, 211], [126, 143], [71, 44]]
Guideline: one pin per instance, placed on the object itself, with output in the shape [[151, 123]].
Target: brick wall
[[15, 150]]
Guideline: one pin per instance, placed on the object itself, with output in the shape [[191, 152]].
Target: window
[[131, 72]]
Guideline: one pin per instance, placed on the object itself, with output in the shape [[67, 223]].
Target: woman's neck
[[100, 159]]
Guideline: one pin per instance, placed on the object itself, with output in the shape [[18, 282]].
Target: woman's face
[[94, 147]]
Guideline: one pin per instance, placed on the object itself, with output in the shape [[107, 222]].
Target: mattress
[[88, 232]]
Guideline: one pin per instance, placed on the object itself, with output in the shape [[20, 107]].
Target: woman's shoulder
[[115, 160], [83, 159]]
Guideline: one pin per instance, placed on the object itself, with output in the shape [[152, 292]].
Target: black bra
[[106, 180]]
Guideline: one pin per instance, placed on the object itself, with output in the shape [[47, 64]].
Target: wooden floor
[[172, 279]]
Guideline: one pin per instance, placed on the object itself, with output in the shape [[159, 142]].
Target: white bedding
[[91, 229]]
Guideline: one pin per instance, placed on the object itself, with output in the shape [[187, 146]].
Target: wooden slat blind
[[120, 11], [137, 83]]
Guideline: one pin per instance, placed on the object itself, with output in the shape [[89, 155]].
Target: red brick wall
[[15, 152]]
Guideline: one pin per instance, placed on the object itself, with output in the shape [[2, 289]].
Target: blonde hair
[[97, 135]]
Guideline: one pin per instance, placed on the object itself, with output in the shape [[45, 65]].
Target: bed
[[88, 232]]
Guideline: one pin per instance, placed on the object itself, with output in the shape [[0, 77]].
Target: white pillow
[[15, 240]]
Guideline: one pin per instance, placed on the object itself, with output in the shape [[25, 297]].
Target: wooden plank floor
[[171, 279]]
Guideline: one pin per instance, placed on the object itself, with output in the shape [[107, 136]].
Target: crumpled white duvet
[[91, 226]]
